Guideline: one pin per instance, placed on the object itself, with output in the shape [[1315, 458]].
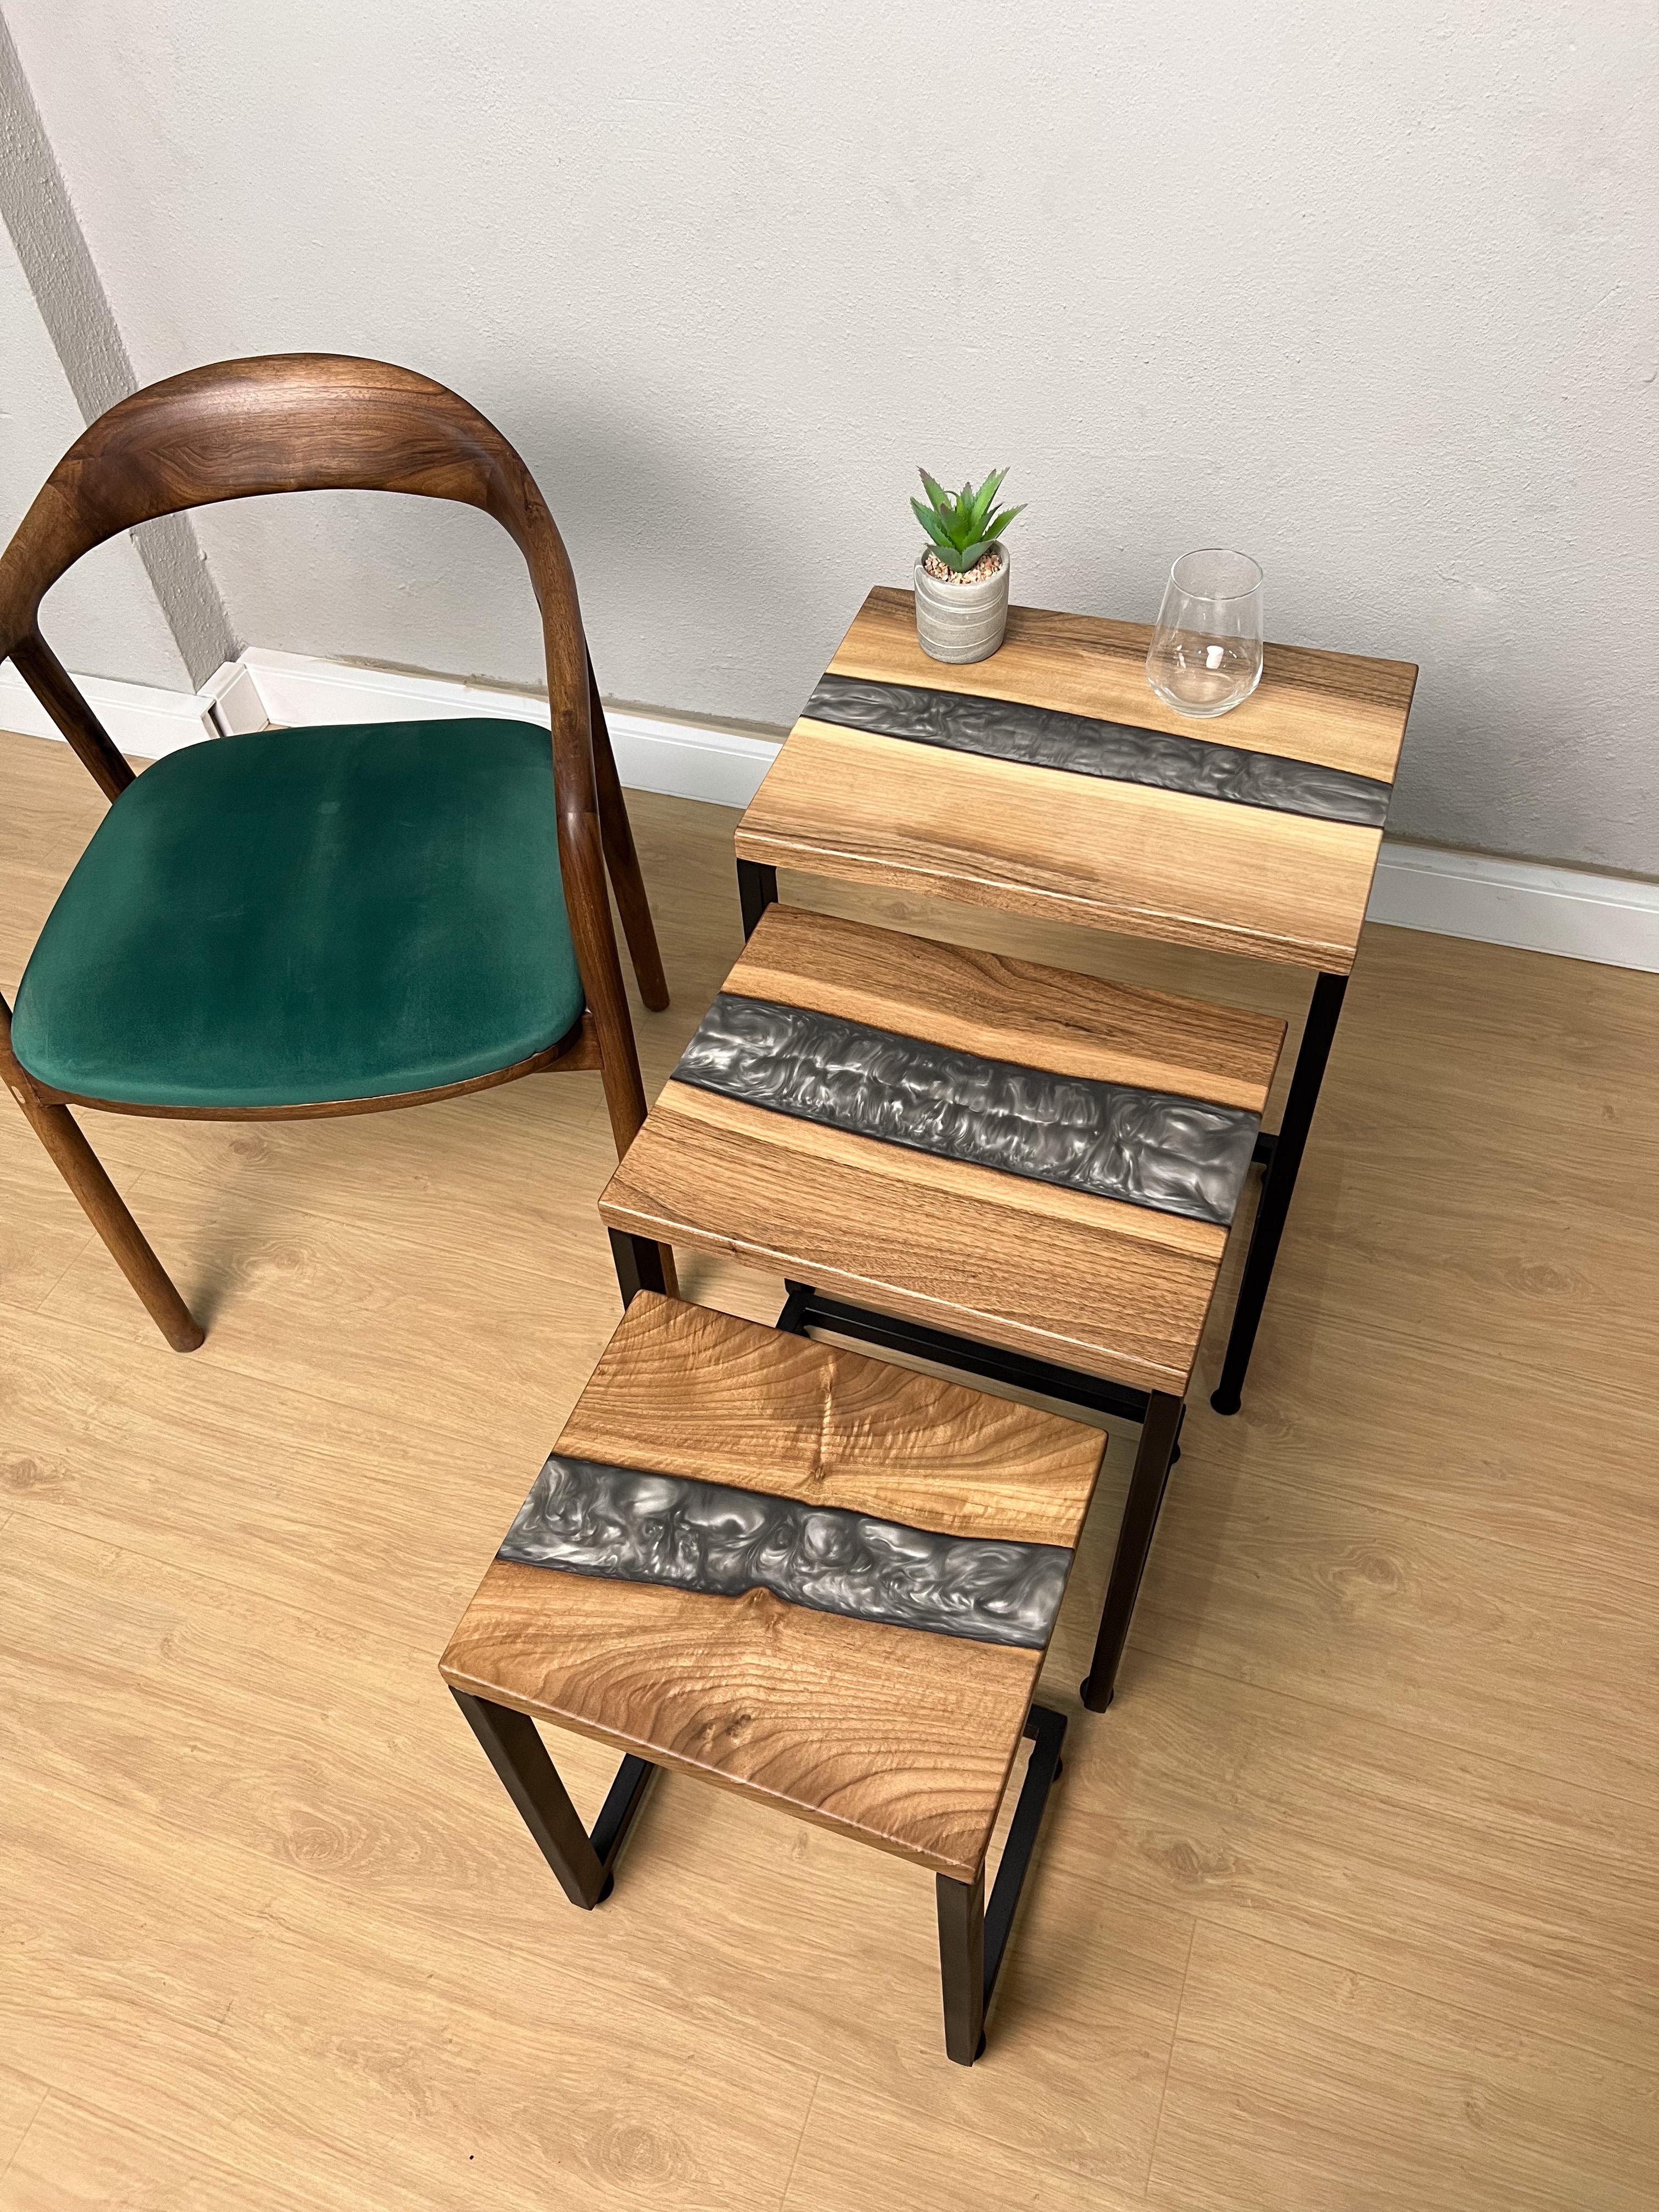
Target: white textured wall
[[1366, 290], [103, 619]]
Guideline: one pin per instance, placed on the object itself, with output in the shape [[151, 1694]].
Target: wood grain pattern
[[983, 1002], [685, 1389], [1475, 2119], [1118, 1291], [901, 1738], [1337, 708], [287, 423], [1062, 847], [855, 2152], [1116, 856], [1385, 1726]]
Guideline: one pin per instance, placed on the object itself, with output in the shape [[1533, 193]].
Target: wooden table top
[[1034, 1159], [792, 1569], [1256, 832]]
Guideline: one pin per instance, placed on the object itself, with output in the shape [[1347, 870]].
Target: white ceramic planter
[[961, 621]]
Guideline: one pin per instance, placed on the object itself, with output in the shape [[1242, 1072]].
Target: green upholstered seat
[[310, 914]]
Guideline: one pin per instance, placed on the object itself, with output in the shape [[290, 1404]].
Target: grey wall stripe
[[1043, 737], [76, 313], [623, 1525], [1147, 1147]]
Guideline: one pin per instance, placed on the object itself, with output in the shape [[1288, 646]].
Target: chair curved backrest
[[283, 423]]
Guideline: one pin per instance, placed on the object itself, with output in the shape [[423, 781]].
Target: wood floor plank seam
[[95, 1802], [805, 2123], [1168, 2061], [278, 1875], [1642, 1586], [66, 2101], [417, 1653], [69, 1268], [1054, 2161], [433, 1427], [237, 1363], [1588, 1791], [1588, 2053], [28, 2129]]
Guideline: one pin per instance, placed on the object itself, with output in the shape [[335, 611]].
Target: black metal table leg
[[1135, 1541], [638, 1264], [515, 1750], [962, 1964], [757, 888], [973, 1936], [1284, 1158]]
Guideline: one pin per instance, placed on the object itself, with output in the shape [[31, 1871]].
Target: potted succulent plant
[[962, 573]]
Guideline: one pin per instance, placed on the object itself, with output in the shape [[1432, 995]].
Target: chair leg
[[624, 1098], [623, 862], [81, 1169]]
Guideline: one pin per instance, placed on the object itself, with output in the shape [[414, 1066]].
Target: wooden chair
[[315, 922]]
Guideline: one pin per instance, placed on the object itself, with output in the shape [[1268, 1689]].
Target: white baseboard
[[688, 759], [142, 718], [1536, 907], [1614, 919]]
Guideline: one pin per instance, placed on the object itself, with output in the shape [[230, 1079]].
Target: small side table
[[1050, 779], [814, 1578]]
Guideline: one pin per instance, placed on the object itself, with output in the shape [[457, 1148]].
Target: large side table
[[1050, 779], [808, 1576]]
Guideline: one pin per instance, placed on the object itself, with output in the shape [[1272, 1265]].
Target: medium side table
[[1015, 1172], [1052, 781]]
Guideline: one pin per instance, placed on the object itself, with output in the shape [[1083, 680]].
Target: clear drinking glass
[[1206, 653]]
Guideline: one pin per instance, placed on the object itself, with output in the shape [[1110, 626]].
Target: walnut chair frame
[[240, 429]]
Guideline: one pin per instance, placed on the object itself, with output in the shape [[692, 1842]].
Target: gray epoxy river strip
[[623, 1525], [1147, 1147], [1119, 752]]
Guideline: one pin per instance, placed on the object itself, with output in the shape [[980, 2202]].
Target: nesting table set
[[822, 1579]]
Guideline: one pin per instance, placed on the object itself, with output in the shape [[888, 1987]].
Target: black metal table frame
[[972, 1936]]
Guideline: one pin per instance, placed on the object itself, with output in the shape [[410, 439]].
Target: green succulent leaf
[[979, 507], [963, 525], [936, 492], [930, 523]]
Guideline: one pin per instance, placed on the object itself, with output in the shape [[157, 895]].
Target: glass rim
[[1226, 552]]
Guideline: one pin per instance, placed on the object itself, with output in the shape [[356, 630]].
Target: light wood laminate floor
[[1351, 1901]]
